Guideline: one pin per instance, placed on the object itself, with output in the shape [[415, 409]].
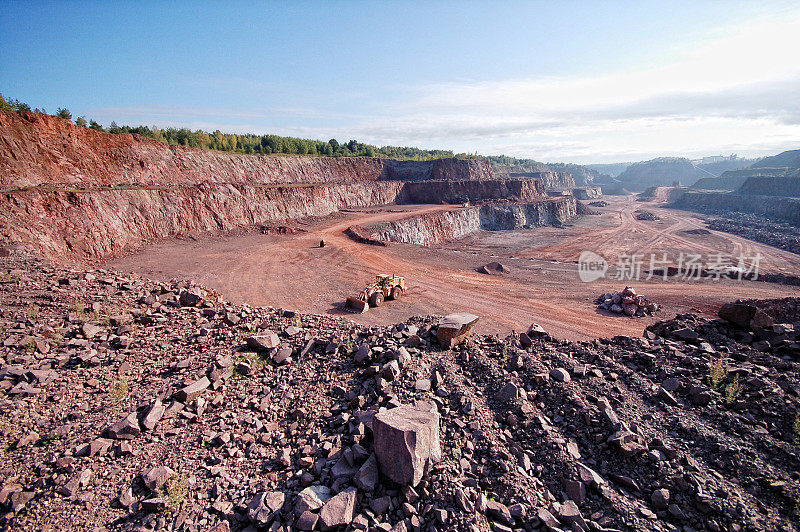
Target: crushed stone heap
[[626, 302]]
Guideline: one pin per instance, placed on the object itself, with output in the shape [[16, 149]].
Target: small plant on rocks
[[9, 278], [717, 373], [57, 337], [104, 317], [32, 312], [47, 440], [796, 429], [118, 392], [30, 344], [175, 491], [733, 390], [79, 309]]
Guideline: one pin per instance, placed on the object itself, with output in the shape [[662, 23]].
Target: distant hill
[[787, 159], [665, 171], [613, 169], [778, 175], [733, 162], [729, 181]]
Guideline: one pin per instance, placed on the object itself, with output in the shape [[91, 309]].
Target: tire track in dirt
[[292, 271]]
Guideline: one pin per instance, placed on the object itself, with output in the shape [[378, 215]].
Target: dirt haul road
[[293, 272]]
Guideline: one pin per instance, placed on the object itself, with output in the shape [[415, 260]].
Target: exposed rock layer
[[101, 223], [549, 178], [788, 186], [459, 191], [75, 194], [438, 227], [38, 150]]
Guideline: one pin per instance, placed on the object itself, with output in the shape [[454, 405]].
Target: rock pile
[[626, 302], [759, 228], [126, 409], [646, 216]]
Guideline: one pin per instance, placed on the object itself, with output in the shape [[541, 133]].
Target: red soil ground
[[291, 271]]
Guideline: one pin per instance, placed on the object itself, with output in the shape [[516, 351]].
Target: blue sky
[[555, 81]]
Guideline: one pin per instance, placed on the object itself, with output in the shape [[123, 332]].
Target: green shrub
[[717, 373], [175, 491], [117, 392], [733, 390]]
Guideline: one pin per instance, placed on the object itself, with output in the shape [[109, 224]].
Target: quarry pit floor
[[291, 271]]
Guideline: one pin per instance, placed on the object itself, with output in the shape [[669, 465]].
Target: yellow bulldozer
[[384, 287]]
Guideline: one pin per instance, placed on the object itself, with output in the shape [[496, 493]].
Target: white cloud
[[736, 92]]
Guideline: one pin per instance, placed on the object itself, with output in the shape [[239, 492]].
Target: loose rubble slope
[[133, 405]]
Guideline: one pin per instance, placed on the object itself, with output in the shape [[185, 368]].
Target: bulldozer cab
[[388, 282]]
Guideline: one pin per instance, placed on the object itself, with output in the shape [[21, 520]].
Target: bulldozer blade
[[356, 306]]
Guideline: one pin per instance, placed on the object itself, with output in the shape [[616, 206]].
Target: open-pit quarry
[[174, 352], [250, 227]]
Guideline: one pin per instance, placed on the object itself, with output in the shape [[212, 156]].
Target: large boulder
[[338, 510], [455, 328], [125, 429], [493, 268], [745, 316], [190, 298], [265, 506], [407, 441], [311, 499], [155, 477], [263, 342], [191, 391]]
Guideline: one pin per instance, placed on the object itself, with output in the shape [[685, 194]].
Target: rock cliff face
[[550, 179], [39, 150], [460, 191], [461, 169], [75, 194], [439, 227], [585, 193], [82, 226]]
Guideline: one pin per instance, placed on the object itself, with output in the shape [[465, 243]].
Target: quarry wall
[[79, 195], [435, 228], [586, 193], [729, 181], [39, 150], [550, 179], [86, 226], [460, 191]]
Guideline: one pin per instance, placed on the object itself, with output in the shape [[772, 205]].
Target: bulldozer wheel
[[396, 293], [376, 299]]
